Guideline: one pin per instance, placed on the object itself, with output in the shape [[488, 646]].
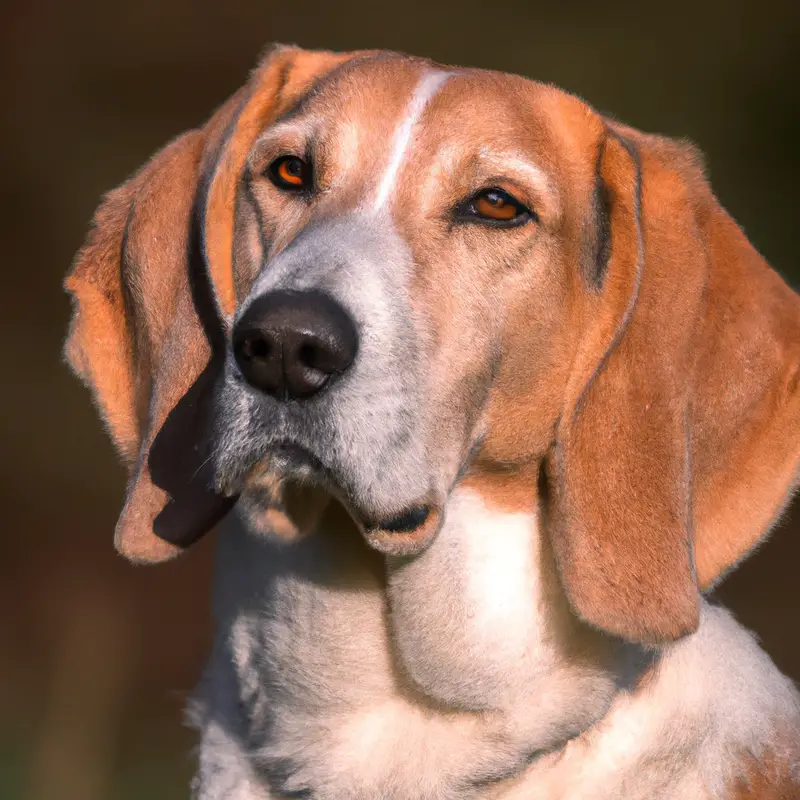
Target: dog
[[485, 391]]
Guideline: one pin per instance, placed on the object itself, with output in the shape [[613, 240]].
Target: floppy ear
[[152, 297], [135, 337], [680, 437]]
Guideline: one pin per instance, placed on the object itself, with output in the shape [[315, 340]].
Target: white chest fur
[[438, 674], [337, 675]]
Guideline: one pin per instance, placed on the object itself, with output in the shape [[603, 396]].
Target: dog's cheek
[[458, 326], [250, 241]]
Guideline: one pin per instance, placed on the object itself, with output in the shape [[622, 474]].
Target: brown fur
[[774, 776], [280, 78], [126, 304], [653, 444]]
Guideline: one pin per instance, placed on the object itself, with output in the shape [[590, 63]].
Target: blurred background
[[97, 656]]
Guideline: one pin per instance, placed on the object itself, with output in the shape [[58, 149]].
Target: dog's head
[[382, 277]]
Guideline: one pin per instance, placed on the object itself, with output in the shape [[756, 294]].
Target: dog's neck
[[479, 623], [454, 674]]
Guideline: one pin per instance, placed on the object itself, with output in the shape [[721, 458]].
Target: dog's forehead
[[366, 101]]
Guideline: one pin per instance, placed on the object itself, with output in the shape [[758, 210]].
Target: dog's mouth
[[299, 472]]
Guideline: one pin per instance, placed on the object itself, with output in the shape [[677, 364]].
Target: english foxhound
[[494, 390]]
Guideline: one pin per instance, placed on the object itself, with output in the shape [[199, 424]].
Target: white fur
[[502, 590], [717, 699], [443, 681], [401, 140]]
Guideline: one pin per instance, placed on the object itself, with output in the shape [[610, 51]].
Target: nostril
[[254, 348], [308, 355]]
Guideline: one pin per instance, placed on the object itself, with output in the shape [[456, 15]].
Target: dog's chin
[[288, 491]]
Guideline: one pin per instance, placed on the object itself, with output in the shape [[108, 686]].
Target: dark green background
[[97, 656]]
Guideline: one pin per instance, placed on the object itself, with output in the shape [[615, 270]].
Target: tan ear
[[132, 311], [681, 433], [746, 408], [152, 293]]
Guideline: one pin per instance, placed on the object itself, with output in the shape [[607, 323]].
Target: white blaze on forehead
[[425, 90]]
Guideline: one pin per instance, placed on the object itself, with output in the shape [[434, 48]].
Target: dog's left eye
[[290, 172], [497, 207]]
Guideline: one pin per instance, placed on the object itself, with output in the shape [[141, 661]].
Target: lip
[[406, 522], [405, 533]]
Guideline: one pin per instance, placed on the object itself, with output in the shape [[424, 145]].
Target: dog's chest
[[413, 680]]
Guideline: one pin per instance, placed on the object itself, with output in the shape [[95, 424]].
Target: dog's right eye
[[290, 173], [495, 207]]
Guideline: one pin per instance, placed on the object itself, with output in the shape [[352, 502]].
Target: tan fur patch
[[774, 777], [118, 315], [282, 77]]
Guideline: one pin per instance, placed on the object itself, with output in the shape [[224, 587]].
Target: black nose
[[291, 344]]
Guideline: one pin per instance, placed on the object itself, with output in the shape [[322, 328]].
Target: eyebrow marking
[[533, 173], [425, 90]]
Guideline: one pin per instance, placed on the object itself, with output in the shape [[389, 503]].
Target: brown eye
[[497, 207], [290, 172]]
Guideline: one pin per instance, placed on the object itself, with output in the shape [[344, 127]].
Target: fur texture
[[587, 415], [439, 678]]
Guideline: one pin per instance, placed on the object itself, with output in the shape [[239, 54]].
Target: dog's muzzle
[[291, 346]]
